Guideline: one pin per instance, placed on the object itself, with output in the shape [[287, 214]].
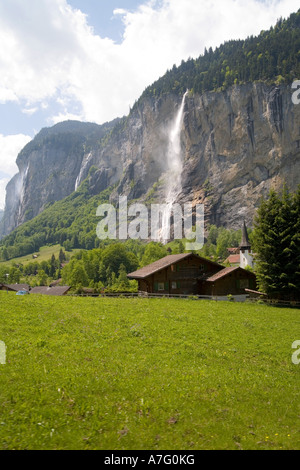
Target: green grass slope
[[43, 254], [72, 219], [153, 374]]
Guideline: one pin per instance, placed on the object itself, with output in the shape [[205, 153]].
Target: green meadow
[[44, 254], [153, 374]]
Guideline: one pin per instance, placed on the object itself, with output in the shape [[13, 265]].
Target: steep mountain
[[49, 166], [1, 213], [239, 136]]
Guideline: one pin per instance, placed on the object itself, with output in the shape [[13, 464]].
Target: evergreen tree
[[78, 276], [277, 245], [61, 256], [295, 242], [52, 269], [123, 281], [108, 275]]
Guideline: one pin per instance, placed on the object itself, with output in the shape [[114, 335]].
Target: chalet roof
[[57, 290], [164, 263], [16, 287], [222, 273], [225, 272]]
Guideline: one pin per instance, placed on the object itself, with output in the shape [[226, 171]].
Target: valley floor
[[152, 374]]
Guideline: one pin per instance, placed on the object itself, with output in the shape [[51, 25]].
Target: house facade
[[190, 274]]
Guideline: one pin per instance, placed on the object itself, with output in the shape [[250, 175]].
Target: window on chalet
[[161, 286], [175, 285]]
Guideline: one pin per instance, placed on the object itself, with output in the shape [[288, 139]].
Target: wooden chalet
[[189, 274], [174, 274]]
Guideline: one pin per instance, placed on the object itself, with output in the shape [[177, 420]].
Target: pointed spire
[[245, 244]]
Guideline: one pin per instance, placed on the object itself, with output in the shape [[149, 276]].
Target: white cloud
[[30, 111], [10, 146], [52, 53]]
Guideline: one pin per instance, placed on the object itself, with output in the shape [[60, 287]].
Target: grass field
[[44, 254], [154, 374]]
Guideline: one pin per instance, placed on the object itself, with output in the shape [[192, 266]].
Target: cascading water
[[83, 167], [174, 155], [22, 185], [175, 166]]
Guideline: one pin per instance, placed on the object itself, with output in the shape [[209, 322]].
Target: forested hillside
[[272, 57], [70, 223]]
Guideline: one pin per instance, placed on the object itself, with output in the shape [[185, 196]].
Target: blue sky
[[101, 17], [91, 59]]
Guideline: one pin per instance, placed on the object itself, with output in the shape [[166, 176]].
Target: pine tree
[[61, 256], [52, 269], [123, 279], [295, 242], [277, 245]]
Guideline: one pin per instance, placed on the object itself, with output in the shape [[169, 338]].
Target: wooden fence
[[272, 302]]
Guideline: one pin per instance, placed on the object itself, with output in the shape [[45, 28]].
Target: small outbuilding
[[230, 281]]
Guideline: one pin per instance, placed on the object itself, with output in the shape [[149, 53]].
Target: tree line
[[272, 57]]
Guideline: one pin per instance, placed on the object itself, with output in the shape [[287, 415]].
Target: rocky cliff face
[[236, 145], [48, 169], [239, 144]]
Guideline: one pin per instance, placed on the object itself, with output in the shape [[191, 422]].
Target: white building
[[246, 255]]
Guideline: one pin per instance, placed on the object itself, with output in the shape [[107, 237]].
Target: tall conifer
[[277, 237]]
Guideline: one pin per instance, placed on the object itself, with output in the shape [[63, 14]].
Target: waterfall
[[174, 156], [21, 188], [84, 164], [175, 166]]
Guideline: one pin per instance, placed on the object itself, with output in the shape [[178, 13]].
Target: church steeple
[[245, 244], [246, 257]]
